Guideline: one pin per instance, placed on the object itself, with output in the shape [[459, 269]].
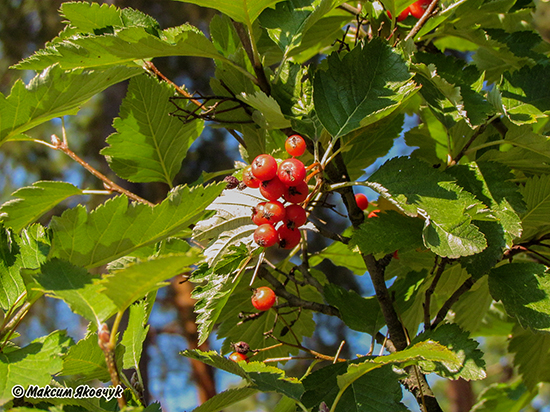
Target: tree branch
[[465, 287], [430, 291]]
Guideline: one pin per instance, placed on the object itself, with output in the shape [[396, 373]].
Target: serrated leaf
[[135, 333], [218, 283], [536, 193], [88, 17], [465, 349], [340, 255], [214, 359], [530, 151], [117, 228], [133, 282], [377, 391], [268, 115], [388, 232], [290, 20], [33, 201], [244, 12], [76, 287], [531, 356], [12, 286], [149, 145], [86, 359], [231, 225], [420, 190], [360, 88], [497, 397], [271, 379], [524, 289], [358, 313], [33, 364], [226, 398], [53, 93]]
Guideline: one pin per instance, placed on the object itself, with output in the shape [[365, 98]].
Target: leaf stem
[[430, 291], [420, 23]]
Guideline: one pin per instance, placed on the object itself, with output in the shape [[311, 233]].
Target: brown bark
[[203, 375], [460, 394]]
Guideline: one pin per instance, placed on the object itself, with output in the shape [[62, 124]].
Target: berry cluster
[[278, 223], [416, 10]]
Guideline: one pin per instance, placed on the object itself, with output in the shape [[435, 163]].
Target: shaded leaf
[[536, 193], [531, 356], [149, 145], [12, 286], [135, 333], [226, 398], [524, 289], [244, 12]]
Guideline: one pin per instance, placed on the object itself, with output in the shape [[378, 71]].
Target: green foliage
[[455, 246]]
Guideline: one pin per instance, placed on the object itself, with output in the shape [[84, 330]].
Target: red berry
[[272, 189], [296, 194], [295, 216], [237, 357], [288, 238], [263, 298], [258, 214], [269, 212], [403, 15], [291, 172], [264, 167], [418, 8], [295, 145], [265, 235], [373, 213], [249, 179], [361, 201]]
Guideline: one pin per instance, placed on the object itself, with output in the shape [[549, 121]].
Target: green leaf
[[290, 20], [420, 190], [76, 287], [457, 341], [504, 397], [86, 359], [215, 360], [360, 88], [88, 17], [127, 285], [268, 114], [217, 285], [536, 193], [531, 356], [477, 297], [244, 12], [53, 93], [33, 201], [388, 232], [362, 147], [358, 313], [33, 364], [12, 286], [376, 391], [529, 151], [124, 47], [226, 398], [524, 289], [271, 379], [149, 145], [117, 228], [135, 334], [340, 255]]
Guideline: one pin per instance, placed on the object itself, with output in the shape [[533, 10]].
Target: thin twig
[[420, 23], [430, 291], [465, 287], [60, 145]]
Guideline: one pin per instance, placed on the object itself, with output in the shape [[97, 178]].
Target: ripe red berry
[[272, 189], [295, 216], [418, 8], [263, 298], [249, 179], [237, 357], [295, 145], [403, 15], [269, 212], [288, 237], [264, 167], [291, 172], [361, 201], [265, 235], [373, 213], [296, 194]]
